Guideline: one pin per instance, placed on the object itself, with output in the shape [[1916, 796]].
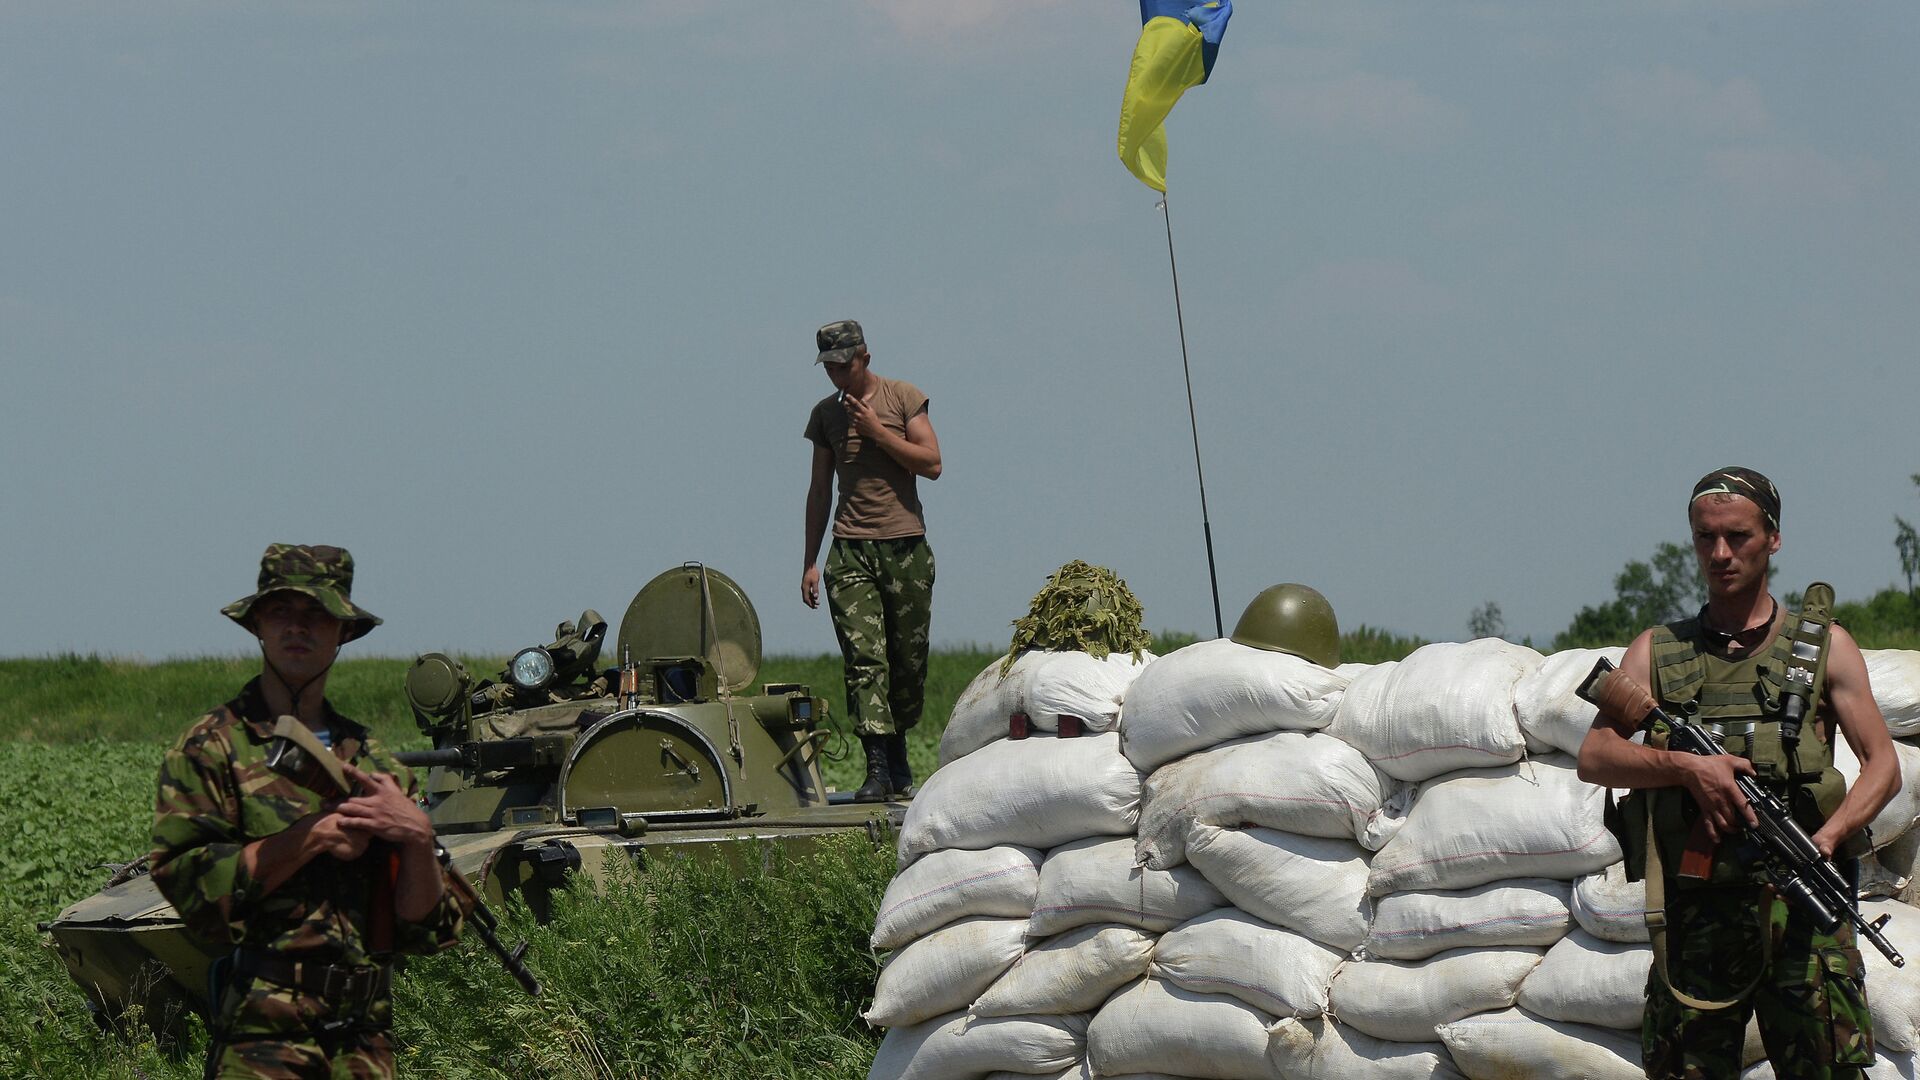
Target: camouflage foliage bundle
[[1082, 607]]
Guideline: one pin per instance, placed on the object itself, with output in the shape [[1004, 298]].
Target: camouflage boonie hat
[[322, 572], [838, 341]]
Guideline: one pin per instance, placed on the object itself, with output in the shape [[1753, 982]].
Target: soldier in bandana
[[1731, 947], [313, 895], [873, 436]]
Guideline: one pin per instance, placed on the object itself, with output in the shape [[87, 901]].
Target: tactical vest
[[1745, 702]]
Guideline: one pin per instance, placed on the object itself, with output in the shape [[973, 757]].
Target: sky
[[516, 301]]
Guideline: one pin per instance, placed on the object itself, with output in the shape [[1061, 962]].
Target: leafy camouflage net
[[1082, 607]]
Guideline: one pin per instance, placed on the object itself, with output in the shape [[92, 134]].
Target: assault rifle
[[295, 754], [1808, 879]]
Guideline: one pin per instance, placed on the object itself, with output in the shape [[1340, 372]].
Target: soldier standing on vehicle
[[312, 896], [873, 436], [1731, 945]]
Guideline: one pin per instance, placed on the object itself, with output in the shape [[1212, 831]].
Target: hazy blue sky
[[516, 300]]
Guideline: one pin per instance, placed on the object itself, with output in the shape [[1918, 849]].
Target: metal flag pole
[[1206, 525]]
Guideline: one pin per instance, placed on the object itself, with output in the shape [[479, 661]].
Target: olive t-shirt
[[878, 500]]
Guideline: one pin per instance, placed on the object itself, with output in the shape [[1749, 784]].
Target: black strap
[[348, 988]]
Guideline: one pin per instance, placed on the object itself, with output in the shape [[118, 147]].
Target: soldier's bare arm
[[1609, 757], [819, 499], [1858, 715]]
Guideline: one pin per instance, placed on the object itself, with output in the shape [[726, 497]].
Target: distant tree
[[1667, 587], [1486, 621], [1907, 542]]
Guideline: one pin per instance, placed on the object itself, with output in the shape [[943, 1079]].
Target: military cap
[[320, 571], [838, 341]]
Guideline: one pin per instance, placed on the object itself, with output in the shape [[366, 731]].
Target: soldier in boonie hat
[[307, 889], [317, 570]]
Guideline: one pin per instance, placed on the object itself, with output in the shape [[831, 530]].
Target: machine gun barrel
[[1806, 877]]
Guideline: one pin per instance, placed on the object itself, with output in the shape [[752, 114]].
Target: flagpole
[[1206, 525]]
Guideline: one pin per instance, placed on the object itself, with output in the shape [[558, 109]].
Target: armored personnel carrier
[[552, 770]]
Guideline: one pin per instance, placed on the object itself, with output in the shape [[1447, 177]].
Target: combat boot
[[875, 789], [899, 773]]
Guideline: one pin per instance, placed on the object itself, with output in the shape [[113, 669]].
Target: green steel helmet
[[1293, 619]]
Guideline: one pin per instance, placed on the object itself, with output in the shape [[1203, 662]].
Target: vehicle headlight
[[531, 669]]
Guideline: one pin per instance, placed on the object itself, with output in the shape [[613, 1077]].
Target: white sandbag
[[1298, 782], [1497, 1046], [1901, 811], [1407, 1001], [1416, 925], [1348, 671], [1078, 684], [980, 713], [1094, 880], [1894, 676], [1610, 907], [1070, 973], [1385, 823], [1551, 715], [1533, 819], [1217, 690], [945, 970], [1043, 685], [1447, 706], [1083, 1071], [1311, 884], [1893, 994], [1032, 792], [1230, 952], [947, 885], [1589, 981], [959, 1047], [1155, 1026], [1323, 1050]]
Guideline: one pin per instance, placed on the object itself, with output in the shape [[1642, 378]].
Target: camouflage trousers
[[1810, 999], [363, 1056], [881, 595], [270, 1032]]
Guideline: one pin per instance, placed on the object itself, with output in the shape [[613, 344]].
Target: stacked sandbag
[[1894, 675], [1042, 686], [1388, 870]]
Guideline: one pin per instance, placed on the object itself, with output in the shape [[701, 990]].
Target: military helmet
[[1292, 619]]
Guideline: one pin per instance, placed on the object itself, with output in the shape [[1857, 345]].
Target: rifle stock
[[1808, 879]]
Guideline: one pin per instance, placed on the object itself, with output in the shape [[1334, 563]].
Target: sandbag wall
[[1248, 866]]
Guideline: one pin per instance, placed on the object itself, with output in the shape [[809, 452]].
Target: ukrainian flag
[[1178, 41]]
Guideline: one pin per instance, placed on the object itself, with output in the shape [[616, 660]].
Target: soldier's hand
[[861, 415], [810, 587], [331, 834], [1710, 780], [383, 809]]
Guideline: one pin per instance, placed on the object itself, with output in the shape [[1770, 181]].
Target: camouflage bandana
[[1082, 607], [839, 341], [1734, 480], [322, 572]]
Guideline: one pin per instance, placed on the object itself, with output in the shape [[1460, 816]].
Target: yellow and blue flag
[[1178, 41]]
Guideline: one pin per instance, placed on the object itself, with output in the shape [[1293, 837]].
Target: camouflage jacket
[[216, 795]]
